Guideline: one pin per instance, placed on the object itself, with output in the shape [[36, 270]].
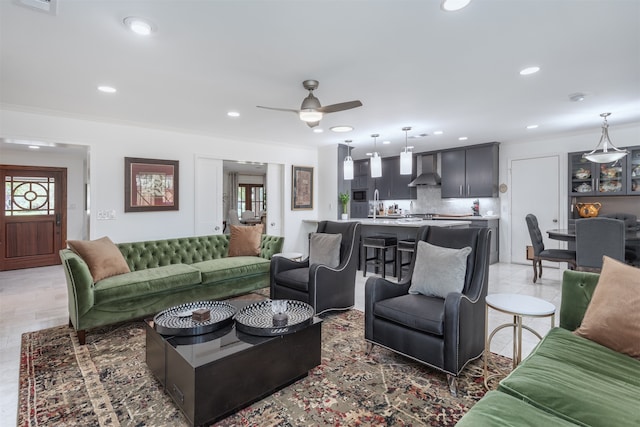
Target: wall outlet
[[106, 215]]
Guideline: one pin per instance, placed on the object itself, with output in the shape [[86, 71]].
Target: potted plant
[[344, 199]]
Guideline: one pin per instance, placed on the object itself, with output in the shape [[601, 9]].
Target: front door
[[33, 217]]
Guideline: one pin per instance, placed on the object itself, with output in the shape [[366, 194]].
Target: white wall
[[621, 136], [327, 183], [109, 143]]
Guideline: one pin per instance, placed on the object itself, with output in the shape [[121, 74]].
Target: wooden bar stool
[[380, 244], [404, 246]]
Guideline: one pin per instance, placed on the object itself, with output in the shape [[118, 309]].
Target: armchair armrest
[[378, 289], [79, 285], [463, 318], [577, 290]]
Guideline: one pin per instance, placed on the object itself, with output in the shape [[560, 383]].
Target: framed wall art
[[301, 188], [150, 185]]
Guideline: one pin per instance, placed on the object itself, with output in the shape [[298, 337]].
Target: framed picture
[[301, 188], [150, 185]]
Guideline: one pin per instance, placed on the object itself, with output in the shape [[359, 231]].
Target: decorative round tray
[[177, 320], [257, 318]]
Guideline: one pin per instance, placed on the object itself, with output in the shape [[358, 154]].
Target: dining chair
[[233, 217], [596, 237], [247, 215], [631, 249], [541, 254]]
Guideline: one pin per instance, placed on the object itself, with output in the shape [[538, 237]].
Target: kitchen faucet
[[376, 199]]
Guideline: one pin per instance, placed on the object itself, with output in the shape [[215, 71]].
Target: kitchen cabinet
[[598, 179], [470, 171], [633, 171], [360, 174], [392, 185], [359, 209]]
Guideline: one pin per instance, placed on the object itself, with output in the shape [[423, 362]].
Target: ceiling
[[410, 63]]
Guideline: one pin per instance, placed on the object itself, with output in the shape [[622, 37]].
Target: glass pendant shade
[[605, 151], [376, 166], [348, 168], [406, 163]]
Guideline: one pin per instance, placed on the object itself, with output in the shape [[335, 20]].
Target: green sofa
[[163, 273], [567, 380]]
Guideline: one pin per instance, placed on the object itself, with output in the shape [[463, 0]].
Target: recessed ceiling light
[[577, 97], [107, 89], [532, 127], [368, 154], [342, 128], [233, 114], [529, 70], [463, 138], [317, 130], [139, 26], [453, 5], [438, 132], [386, 142], [34, 147], [410, 147]]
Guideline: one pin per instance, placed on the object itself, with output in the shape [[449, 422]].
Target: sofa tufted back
[[187, 250]]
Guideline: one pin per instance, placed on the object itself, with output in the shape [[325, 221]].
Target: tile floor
[[34, 299]]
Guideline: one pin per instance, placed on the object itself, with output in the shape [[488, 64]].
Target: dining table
[[569, 235]]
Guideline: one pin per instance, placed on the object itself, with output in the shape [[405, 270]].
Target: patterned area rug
[[107, 383]]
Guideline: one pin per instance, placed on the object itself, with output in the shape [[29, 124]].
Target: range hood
[[429, 173]]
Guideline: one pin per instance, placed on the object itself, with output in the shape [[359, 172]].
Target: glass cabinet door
[[582, 177], [611, 177], [633, 162]]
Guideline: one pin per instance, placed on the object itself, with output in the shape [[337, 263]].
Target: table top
[[523, 305], [569, 234]]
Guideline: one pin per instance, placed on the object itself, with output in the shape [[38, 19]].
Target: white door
[[208, 196], [275, 191], [535, 188]]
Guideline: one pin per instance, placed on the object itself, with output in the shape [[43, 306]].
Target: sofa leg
[[70, 324], [453, 385], [369, 348], [82, 336]]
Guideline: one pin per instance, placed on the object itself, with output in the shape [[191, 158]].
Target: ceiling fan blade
[[279, 109], [312, 124], [340, 107]]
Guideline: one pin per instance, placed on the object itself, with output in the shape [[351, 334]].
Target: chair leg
[[535, 270], [453, 385], [540, 268], [369, 348]]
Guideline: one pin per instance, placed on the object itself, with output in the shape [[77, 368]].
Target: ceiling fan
[[311, 111]]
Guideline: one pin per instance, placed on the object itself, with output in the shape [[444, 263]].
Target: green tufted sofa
[[163, 273], [567, 380]]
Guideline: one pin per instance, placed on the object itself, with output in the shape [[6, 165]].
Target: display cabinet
[[633, 162], [601, 179]]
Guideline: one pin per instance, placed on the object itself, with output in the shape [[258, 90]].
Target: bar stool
[[404, 246], [380, 244]]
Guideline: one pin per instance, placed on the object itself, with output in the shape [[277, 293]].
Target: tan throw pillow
[[245, 240], [612, 318], [102, 256], [438, 270]]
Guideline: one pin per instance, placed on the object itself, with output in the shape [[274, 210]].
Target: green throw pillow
[[438, 270]]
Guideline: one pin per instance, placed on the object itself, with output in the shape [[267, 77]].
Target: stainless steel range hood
[[428, 175]]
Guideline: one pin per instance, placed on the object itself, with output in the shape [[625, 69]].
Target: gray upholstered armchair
[[323, 287], [443, 333]]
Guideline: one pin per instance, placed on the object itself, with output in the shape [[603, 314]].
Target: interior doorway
[[33, 217]]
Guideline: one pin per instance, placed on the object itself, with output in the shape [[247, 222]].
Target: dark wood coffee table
[[211, 376]]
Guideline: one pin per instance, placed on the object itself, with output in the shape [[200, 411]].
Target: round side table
[[519, 306]]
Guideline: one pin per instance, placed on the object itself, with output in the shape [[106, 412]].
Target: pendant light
[[376, 161], [406, 163], [348, 162], [605, 151]]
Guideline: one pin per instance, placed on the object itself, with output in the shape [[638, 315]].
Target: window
[[250, 198]]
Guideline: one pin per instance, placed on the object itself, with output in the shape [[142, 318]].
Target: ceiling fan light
[[453, 5], [605, 151], [310, 116]]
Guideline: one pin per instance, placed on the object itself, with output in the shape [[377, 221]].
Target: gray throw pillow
[[324, 249], [438, 270]]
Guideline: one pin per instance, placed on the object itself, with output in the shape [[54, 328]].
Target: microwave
[[359, 196]]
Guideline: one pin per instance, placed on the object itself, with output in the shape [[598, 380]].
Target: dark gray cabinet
[[359, 209], [470, 172], [393, 186]]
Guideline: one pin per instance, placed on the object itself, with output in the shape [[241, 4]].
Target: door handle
[[57, 220]]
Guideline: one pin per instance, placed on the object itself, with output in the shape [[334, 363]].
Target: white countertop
[[391, 222]]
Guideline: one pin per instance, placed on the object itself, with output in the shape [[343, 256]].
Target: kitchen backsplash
[[429, 201]]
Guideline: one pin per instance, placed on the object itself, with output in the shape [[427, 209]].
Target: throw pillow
[[245, 240], [613, 315], [324, 248], [438, 270], [102, 256]]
